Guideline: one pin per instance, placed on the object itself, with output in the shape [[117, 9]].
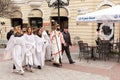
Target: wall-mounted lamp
[[2, 23]]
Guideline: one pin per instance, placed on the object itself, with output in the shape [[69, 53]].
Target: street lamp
[[58, 4]]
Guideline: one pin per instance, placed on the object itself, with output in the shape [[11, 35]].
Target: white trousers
[[29, 60]]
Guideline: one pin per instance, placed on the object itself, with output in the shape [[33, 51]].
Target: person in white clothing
[[56, 40], [47, 45], [16, 48], [30, 49], [40, 46]]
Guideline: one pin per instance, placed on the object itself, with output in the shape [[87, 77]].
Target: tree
[[6, 8]]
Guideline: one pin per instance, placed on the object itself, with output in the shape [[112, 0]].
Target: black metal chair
[[80, 44], [118, 48], [104, 49], [86, 51]]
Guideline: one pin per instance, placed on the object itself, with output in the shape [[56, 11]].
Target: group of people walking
[[31, 48]]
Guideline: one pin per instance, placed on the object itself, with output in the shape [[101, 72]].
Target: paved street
[[81, 70], [48, 73]]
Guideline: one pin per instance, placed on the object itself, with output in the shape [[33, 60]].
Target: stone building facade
[[36, 13]]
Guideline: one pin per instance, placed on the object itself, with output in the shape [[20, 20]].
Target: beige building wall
[[4, 28], [83, 31]]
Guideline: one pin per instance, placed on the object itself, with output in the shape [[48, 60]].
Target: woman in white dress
[[16, 48], [40, 48], [30, 49]]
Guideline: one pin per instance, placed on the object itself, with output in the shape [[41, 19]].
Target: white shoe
[[31, 70], [15, 71], [21, 72]]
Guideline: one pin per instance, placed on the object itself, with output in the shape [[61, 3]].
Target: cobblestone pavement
[[109, 68], [47, 73], [81, 70]]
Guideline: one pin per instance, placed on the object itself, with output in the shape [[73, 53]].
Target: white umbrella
[[111, 14]]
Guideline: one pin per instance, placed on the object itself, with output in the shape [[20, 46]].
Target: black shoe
[[14, 66], [56, 65], [72, 62], [39, 67]]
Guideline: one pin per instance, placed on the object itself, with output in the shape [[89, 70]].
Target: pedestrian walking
[[67, 38]]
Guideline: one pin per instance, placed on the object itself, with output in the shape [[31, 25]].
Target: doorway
[[63, 21]]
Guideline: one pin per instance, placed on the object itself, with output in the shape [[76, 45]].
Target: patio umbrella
[[111, 14], [105, 16]]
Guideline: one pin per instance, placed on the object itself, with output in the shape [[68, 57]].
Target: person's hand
[[54, 35], [70, 44], [65, 44]]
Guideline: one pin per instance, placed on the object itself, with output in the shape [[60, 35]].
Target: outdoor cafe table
[[93, 52]]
